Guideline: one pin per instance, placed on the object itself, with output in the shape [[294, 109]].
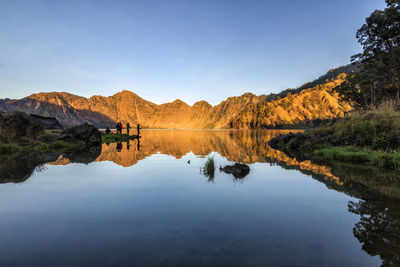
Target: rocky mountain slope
[[315, 104], [246, 111]]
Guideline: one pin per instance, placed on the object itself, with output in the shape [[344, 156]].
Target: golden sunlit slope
[[318, 103]]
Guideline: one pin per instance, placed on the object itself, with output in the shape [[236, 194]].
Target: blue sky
[[168, 49]]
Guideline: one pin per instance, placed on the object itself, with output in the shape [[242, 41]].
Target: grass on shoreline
[[389, 160], [115, 138], [13, 149], [367, 138], [376, 130]]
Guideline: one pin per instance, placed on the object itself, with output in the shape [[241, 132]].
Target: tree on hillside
[[379, 76]]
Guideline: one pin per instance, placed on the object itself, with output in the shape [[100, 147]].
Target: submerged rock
[[238, 170]]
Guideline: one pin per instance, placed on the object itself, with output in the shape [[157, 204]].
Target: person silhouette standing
[[138, 130], [119, 127], [128, 127], [119, 147]]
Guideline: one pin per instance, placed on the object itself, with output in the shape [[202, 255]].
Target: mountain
[[128, 107], [246, 111], [309, 105]]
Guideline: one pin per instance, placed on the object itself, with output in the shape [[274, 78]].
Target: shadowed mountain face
[[57, 105], [243, 112]]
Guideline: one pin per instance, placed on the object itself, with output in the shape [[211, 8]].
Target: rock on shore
[[18, 127], [89, 134]]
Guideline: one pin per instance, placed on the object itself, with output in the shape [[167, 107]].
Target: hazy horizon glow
[[164, 50]]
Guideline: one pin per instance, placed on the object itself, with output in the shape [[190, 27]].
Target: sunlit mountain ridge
[[290, 107]]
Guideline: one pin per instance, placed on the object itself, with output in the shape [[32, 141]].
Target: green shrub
[[375, 130], [347, 154], [389, 160], [114, 138]]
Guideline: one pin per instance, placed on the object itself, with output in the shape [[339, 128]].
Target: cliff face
[[246, 111]]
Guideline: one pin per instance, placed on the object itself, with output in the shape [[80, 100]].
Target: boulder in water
[[238, 170]]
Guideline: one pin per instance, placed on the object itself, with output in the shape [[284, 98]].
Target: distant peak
[[125, 92], [248, 94], [178, 101], [202, 103], [52, 94]]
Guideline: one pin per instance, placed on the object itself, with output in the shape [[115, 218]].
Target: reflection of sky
[[162, 210]]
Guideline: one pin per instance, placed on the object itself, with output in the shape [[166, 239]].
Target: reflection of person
[[138, 129], [119, 147], [128, 145], [128, 126], [138, 144]]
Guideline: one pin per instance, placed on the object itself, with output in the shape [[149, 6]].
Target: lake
[[151, 204]]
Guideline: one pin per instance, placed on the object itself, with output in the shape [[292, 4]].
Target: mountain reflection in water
[[236, 146], [376, 191]]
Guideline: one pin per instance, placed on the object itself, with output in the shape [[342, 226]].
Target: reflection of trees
[[379, 228], [19, 169]]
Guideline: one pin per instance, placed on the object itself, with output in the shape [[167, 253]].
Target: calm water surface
[[150, 204]]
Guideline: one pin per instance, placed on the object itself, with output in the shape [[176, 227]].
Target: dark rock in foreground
[[47, 123], [17, 127], [238, 170], [89, 134]]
